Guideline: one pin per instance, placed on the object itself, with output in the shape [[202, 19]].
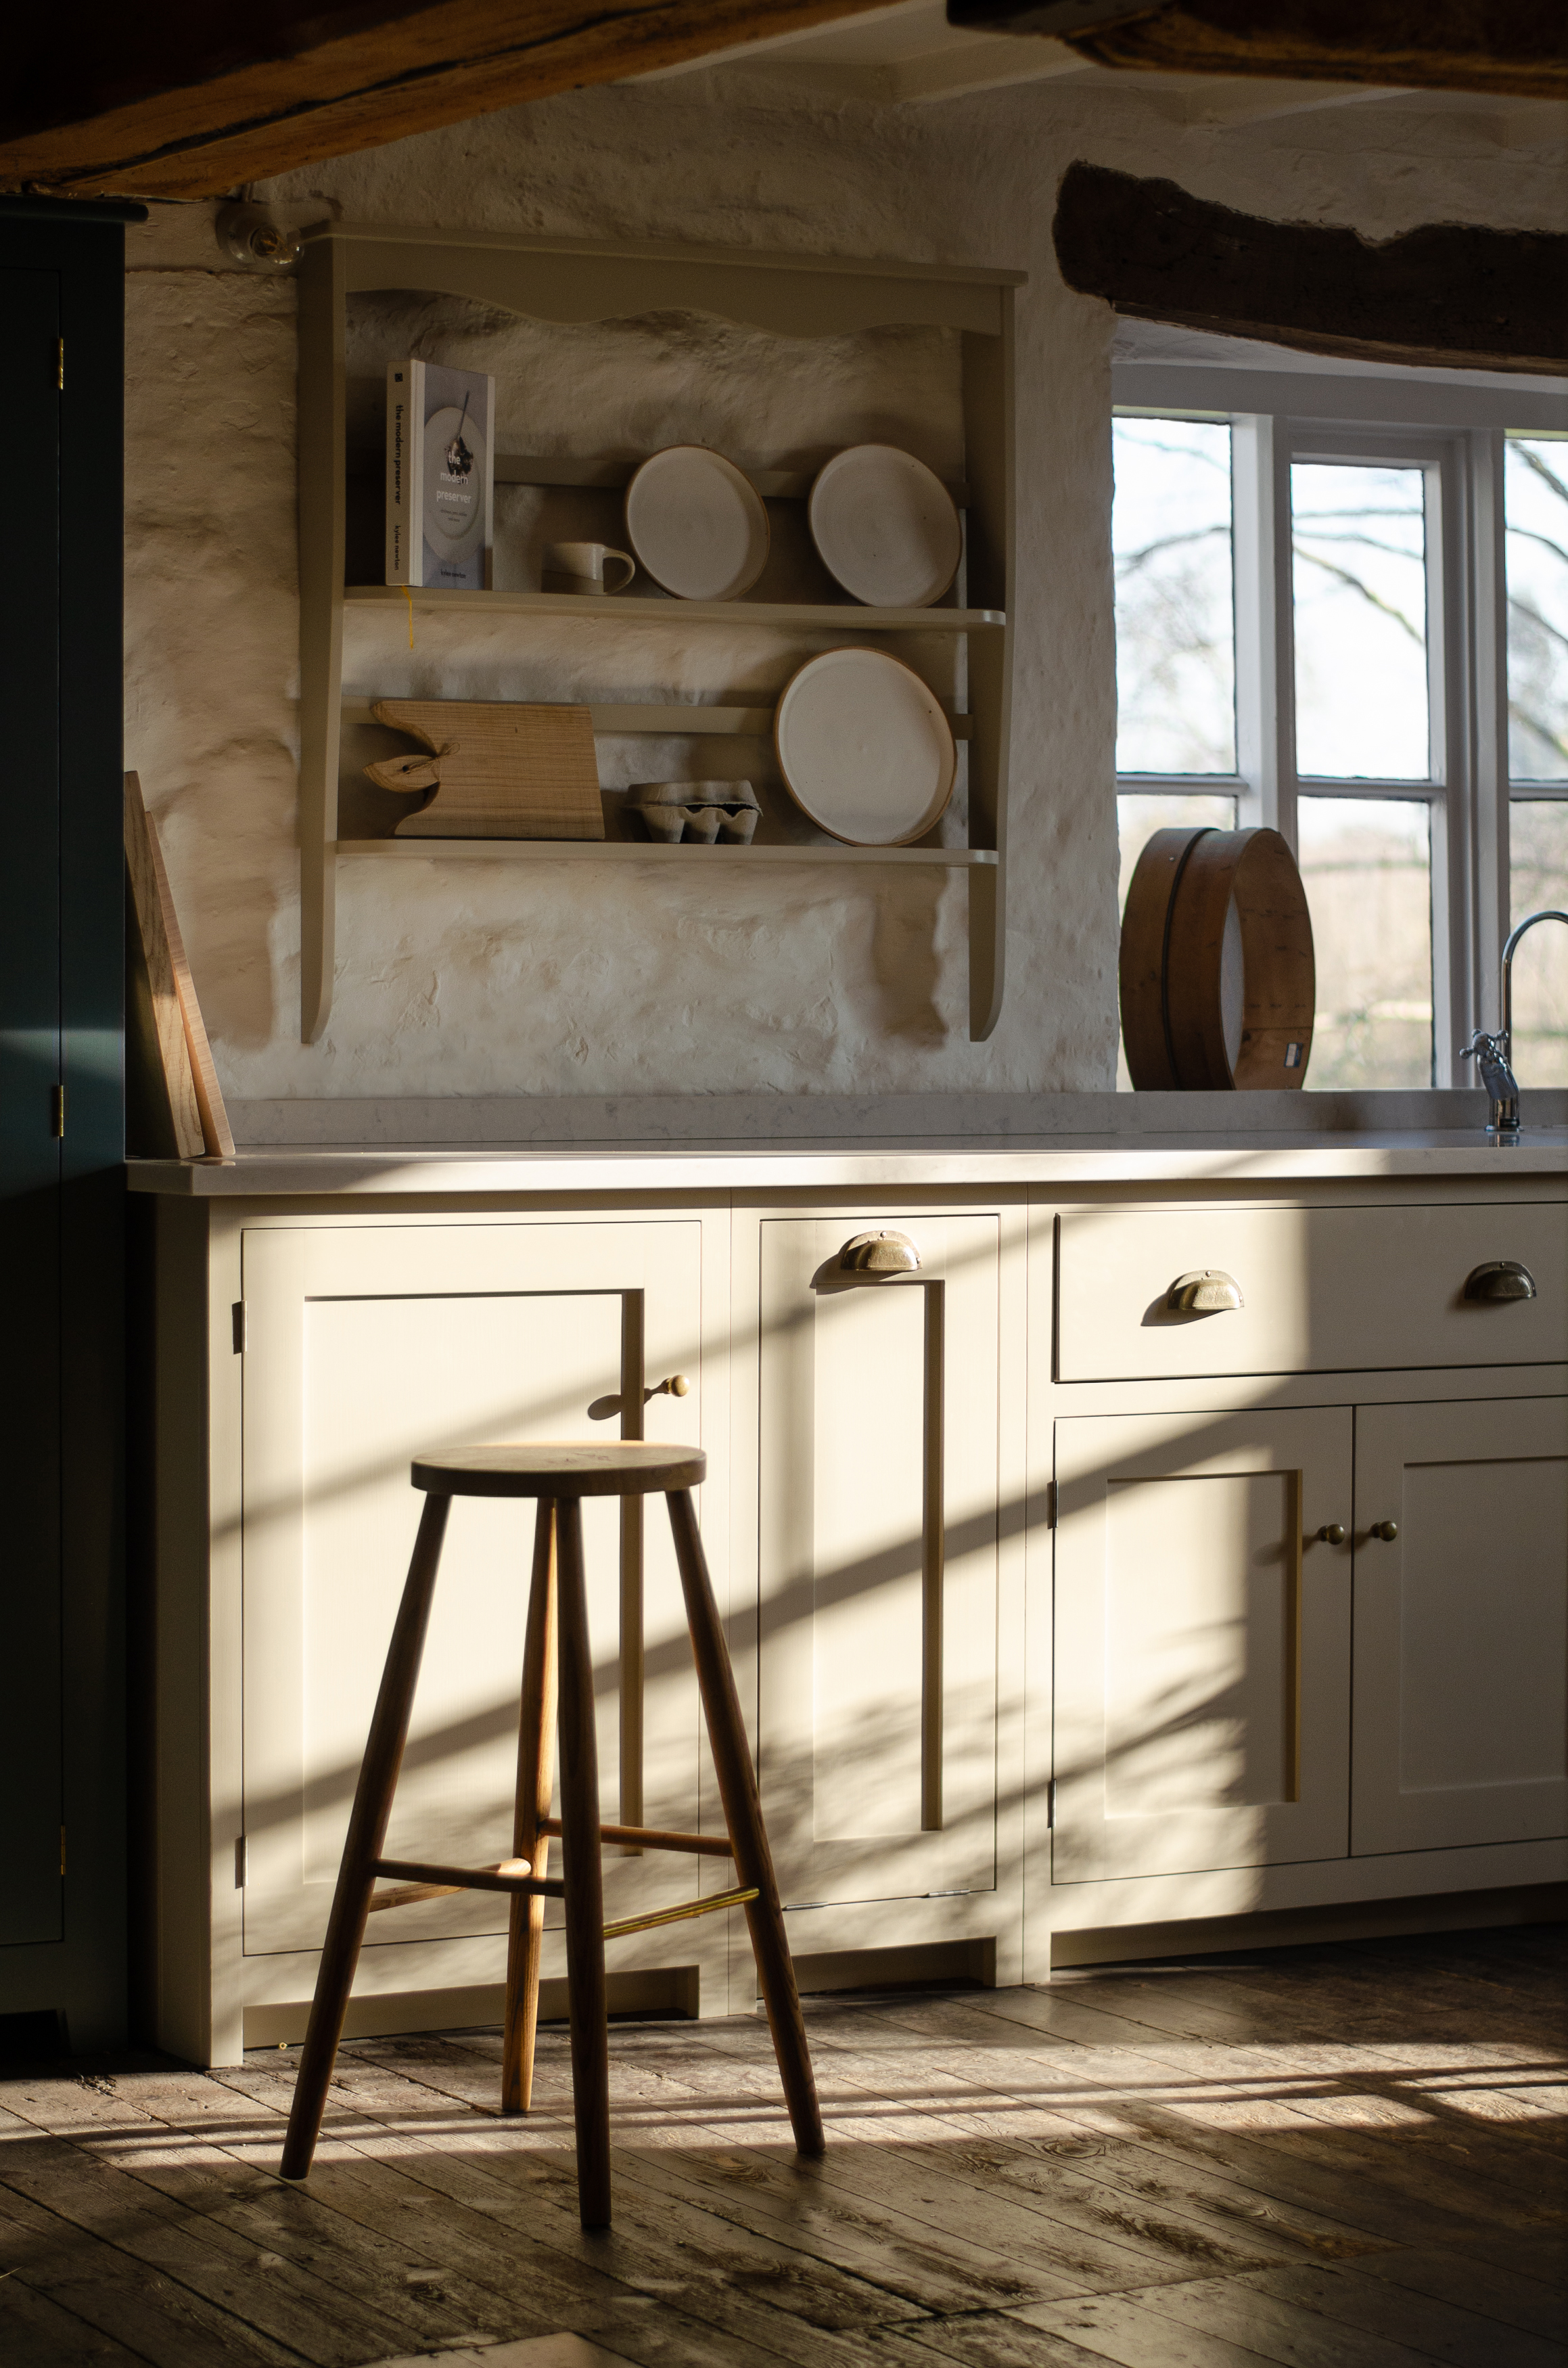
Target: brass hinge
[[237, 1316], [1050, 1804], [61, 1849], [239, 1862], [60, 364], [1051, 1503], [57, 1111]]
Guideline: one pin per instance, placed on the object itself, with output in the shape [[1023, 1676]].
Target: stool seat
[[560, 1467]]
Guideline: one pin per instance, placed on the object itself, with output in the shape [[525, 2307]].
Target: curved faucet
[[1495, 1053]]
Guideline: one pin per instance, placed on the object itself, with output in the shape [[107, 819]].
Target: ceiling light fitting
[[251, 236]]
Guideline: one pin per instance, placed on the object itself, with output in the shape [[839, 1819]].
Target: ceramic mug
[[580, 567]]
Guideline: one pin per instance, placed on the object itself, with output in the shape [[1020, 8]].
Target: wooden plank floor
[[1347, 2157]]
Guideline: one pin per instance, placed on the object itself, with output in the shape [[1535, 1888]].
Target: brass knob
[[1207, 1290], [882, 1253], [674, 1385], [1333, 1533], [1500, 1278], [1387, 1531]]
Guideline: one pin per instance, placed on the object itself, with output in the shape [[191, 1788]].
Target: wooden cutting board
[[499, 769], [179, 1047]]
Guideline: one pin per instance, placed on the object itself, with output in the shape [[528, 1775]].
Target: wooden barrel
[[1218, 984]]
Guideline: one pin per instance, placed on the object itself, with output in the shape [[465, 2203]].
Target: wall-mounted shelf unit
[[583, 279], [596, 850], [826, 616], [679, 720]]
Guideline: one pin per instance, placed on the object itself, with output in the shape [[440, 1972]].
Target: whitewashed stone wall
[[484, 980]]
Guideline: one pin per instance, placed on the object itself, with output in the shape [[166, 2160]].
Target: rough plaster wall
[[472, 979]]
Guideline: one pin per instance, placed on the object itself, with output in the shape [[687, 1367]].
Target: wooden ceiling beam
[[190, 99], [1449, 294], [1516, 48]]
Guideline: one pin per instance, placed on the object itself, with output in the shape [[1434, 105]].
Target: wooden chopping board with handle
[[499, 769]]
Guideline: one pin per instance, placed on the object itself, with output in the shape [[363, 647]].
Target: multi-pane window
[[1363, 713], [1306, 618], [1535, 481], [1175, 638], [1176, 641]]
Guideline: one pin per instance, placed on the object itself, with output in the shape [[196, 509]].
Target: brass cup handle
[[1207, 1290], [1331, 1533], [1387, 1531], [880, 1253], [1500, 1279]]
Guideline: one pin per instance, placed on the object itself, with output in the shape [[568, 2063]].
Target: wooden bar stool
[[558, 1476]]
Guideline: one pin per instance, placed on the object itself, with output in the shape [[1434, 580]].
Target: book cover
[[440, 477], [399, 424]]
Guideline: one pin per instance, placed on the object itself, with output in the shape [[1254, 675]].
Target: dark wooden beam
[[1510, 47], [1448, 293], [191, 99]]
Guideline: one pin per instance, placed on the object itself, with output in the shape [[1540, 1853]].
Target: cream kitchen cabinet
[[1202, 1642], [1037, 1612], [362, 1346], [1307, 1593], [1462, 1624], [886, 1479], [354, 1344], [1212, 1634]]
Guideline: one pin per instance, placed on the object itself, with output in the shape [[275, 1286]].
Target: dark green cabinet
[[61, 1182], [31, 1145]]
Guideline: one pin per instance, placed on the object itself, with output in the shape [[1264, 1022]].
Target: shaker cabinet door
[[363, 1345], [1202, 1642], [878, 1443], [1462, 1624]]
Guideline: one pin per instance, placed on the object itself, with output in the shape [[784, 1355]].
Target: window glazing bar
[[1182, 785], [1326, 785]]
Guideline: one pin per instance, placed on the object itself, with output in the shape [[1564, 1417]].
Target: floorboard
[[1348, 2157]]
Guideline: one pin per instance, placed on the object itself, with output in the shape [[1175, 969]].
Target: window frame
[[1457, 434]]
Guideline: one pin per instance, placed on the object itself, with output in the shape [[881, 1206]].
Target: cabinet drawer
[[1322, 1290]]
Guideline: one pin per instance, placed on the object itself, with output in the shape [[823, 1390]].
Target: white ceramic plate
[[885, 527], [865, 747], [697, 526]]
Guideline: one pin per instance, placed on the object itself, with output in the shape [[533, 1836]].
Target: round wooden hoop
[[1218, 983], [1146, 931]]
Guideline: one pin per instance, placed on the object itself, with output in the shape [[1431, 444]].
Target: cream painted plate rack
[[586, 280]]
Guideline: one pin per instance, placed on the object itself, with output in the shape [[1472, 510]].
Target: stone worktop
[[748, 1143]]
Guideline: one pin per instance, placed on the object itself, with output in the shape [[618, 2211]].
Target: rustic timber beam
[[1511, 48], [189, 99], [1448, 293]]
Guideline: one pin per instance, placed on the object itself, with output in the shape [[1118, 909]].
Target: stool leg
[[366, 1836], [748, 1836], [536, 1743], [583, 1875]]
